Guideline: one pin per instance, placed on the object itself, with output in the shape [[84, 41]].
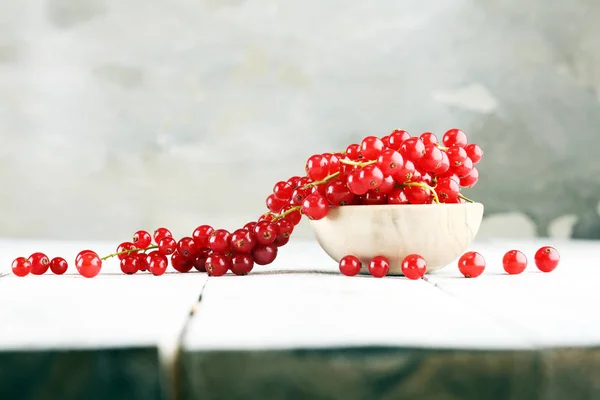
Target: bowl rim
[[383, 206]]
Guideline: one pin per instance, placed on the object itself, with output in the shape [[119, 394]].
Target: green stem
[[322, 181], [426, 186], [465, 198], [441, 147], [357, 163], [287, 212], [128, 252]]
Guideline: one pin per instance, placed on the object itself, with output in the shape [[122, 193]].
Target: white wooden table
[[299, 329]]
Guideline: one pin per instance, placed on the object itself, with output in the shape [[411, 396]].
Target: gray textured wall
[[120, 114]]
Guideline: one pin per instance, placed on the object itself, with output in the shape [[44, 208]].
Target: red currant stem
[[357, 163], [426, 186], [128, 252], [322, 181], [465, 198], [287, 212], [441, 147]]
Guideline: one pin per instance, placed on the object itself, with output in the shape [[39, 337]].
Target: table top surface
[[302, 301]]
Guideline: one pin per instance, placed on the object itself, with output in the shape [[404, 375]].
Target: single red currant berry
[[294, 217], [397, 196], [447, 190], [264, 254], [201, 235], [386, 140], [199, 261], [283, 190], [370, 176], [414, 266], [371, 147], [299, 195], [142, 239], [474, 152], [250, 226], [317, 167], [284, 228], [470, 179], [220, 240], [129, 265], [157, 263], [334, 162], [471, 264], [161, 233], [379, 266], [398, 137], [464, 169], [432, 158], [83, 252], [353, 152], [547, 259], [242, 241], [389, 161], [186, 247], [265, 232], [454, 137], [217, 264], [456, 155], [354, 183], [315, 207], [514, 262], [417, 195], [406, 172], [294, 182], [39, 263], [350, 265], [274, 204], [58, 265], [125, 249], [88, 264], [182, 264], [266, 217], [387, 185], [373, 198], [428, 138], [242, 264], [412, 149], [281, 240], [21, 267], [167, 245], [142, 264], [443, 166]]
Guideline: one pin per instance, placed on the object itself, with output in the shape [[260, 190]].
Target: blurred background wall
[[124, 114]]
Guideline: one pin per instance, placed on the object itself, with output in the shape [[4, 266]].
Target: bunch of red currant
[[394, 169], [470, 264]]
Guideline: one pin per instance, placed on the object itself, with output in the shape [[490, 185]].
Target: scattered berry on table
[[21, 267], [350, 265], [547, 259], [414, 266], [58, 265], [379, 266], [471, 264], [514, 262]]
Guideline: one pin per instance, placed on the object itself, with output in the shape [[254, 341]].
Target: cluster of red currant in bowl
[[394, 169], [471, 264]]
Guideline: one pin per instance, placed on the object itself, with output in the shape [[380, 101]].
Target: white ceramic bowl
[[440, 233]]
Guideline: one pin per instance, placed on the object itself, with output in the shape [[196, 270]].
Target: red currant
[[417, 195], [142, 239], [470, 179], [274, 204], [353, 152], [350, 265], [186, 247], [398, 137], [264, 254], [379, 266], [474, 152], [371, 147], [126, 249], [201, 235], [447, 190], [334, 162], [161, 233], [471, 264], [242, 241], [397, 196], [414, 266], [371, 176], [265, 232], [283, 190], [547, 259], [167, 245], [315, 207], [456, 155], [514, 262], [464, 169], [317, 167], [299, 195], [428, 138], [199, 261], [387, 185], [129, 265], [217, 264], [182, 264], [294, 181], [220, 240], [386, 140], [443, 166], [21, 267], [82, 253], [412, 149], [355, 184], [389, 161], [284, 228], [454, 137], [242, 264], [88, 264], [294, 217], [39, 263], [338, 194], [58, 265], [281, 241], [432, 158], [405, 172], [157, 263], [373, 198]]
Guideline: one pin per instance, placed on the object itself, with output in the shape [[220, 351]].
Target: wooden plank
[[117, 332]]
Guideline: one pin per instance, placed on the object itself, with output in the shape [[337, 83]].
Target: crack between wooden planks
[[177, 369], [529, 336]]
